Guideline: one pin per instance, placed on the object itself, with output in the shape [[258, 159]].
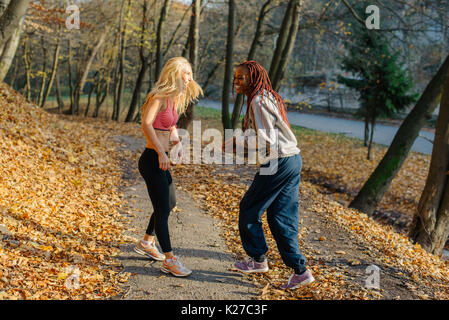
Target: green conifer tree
[[380, 78]]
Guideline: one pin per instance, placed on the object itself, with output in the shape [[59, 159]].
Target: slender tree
[[120, 67], [70, 73], [282, 39], [53, 70], [282, 61], [100, 95], [58, 93], [187, 117], [159, 38], [251, 54], [43, 72], [91, 90], [83, 78], [143, 66], [430, 227], [27, 63], [226, 120], [9, 50]]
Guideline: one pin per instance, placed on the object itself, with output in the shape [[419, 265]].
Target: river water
[[383, 134]]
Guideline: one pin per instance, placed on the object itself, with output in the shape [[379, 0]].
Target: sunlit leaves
[[59, 198]]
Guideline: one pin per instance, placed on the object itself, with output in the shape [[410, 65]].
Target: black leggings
[[162, 194]]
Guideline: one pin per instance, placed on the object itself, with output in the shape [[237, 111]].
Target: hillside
[[58, 200]]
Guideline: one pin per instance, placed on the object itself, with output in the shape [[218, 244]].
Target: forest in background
[[115, 54]]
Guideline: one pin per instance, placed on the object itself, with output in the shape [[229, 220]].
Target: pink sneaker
[[295, 281], [249, 265]]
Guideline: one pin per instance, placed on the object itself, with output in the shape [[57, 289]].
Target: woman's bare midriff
[[164, 138]]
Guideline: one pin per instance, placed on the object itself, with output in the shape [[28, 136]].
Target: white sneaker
[[176, 268], [149, 251]]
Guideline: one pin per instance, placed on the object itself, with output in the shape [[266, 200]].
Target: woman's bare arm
[[174, 136]]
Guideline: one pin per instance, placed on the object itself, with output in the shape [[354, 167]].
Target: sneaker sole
[[304, 283], [164, 270], [252, 271], [143, 253]]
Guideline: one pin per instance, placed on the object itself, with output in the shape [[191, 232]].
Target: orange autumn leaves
[[59, 194], [59, 199]]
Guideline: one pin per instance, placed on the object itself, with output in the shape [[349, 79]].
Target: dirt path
[[195, 238]]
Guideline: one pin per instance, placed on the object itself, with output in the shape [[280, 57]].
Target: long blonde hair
[[168, 85]]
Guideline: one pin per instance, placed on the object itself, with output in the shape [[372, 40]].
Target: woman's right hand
[[164, 162]]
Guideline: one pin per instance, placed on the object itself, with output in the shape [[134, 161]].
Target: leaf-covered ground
[[58, 199], [60, 183], [339, 162]]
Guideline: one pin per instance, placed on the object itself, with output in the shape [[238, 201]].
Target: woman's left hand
[[176, 154]]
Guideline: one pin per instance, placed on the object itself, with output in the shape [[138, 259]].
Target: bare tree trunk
[[281, 40], [58, 93], [185, 50], [370, 143], [53, 71], [159, 38], [430, 227], [91, 89], [13, 78], [69, 64], [9, 50], [83, 79], [10, 19], [279, 73], [210, 75], [119, 78], [44, 73], [252, 52], [178, 27], [143, 68], [137, 91], [26, 60], [100, 96], [258, 34], [378, 183], [366, 137], [194, 34], [226, 120], [120, 48], [121, 81]]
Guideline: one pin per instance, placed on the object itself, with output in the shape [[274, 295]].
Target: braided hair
[[260, 84]]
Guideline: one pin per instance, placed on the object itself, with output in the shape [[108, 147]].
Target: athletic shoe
[[149, 251], [297, 280], [249, 265], [175, 267]]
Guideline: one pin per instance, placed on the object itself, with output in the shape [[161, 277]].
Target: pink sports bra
[[166, 118]]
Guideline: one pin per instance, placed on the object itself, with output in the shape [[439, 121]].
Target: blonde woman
[[174, 90]]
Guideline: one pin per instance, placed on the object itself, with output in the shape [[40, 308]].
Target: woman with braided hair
[[276, 192]]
